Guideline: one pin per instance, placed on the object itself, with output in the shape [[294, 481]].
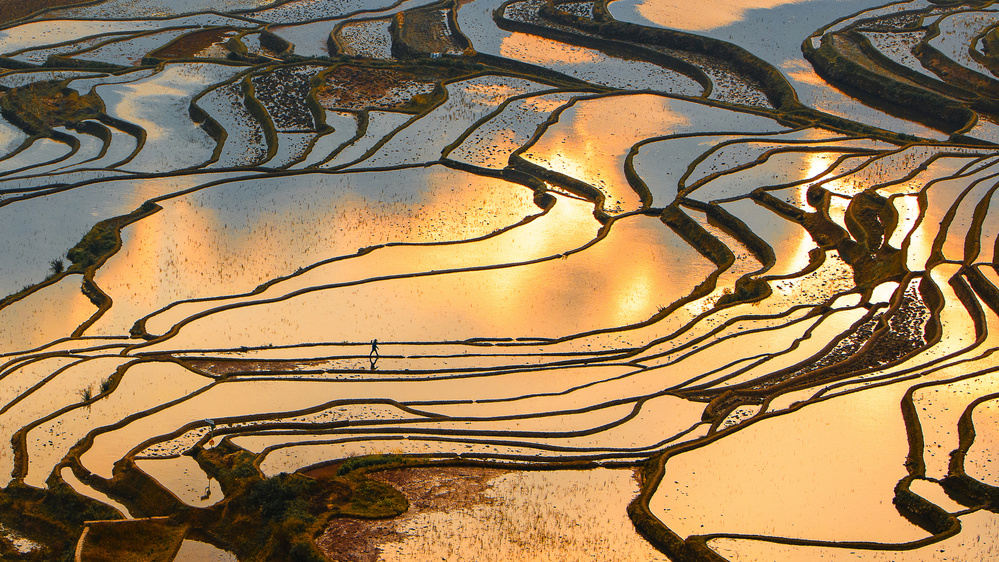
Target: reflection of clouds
[[802, 72], [592, 138], [711, 14], [543, 104], [489, 94], [543, 51]]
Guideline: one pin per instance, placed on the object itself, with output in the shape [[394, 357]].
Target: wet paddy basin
[[520, 299]]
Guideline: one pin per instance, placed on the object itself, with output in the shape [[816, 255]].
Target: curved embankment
[[497, 260]]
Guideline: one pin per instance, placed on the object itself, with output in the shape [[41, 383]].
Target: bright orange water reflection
[[760, 480], [639, 267], [710, 14], [538, 50], [198, 246], [592, 138]]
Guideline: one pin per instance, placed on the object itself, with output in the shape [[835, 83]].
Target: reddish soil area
[[427, 489]]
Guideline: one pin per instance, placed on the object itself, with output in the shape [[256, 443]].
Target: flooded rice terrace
[[499, 280]]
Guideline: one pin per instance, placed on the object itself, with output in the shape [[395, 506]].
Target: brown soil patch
[[192, 44], [427, 489], [242, 366], [352, 87], [17, 9]]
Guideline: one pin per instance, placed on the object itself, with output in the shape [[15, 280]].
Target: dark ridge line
[[23, 147], [667, 391], [814, 181], [922, 200], [278, 4], [858, 545], [947, 114], [90, 288], [257, 109], [20, 361], [403, 48], [915, 461], [746, 138], [737, 230], [695, 346], [957, 482], [335, 46], [452, 460], [910, 373], [23, 294], [815, 318], [369, 430], [611, 452], [601, 234], [502, 107], [70, 140], [636, 148], [679, 388], [982, 287], [138, 176], [983, 88], [216, 130], [139, 327], [972, 240], [385, 357], [10, 367], [816, 322], [40, 350], [884, 329], [648, 525], [94, 129], [176, 328], [19, 438], [607, 452], [580, 462], [362, 118], [444, 97], [132, 35], [99, 483], [37, 19], [916, 171], [272, 423], [849, 152], [937, 254], [111, 35], [48, 378], [599, 42], [703, 316], [426, 374]]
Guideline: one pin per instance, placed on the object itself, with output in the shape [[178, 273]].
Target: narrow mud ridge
[[366, 281]]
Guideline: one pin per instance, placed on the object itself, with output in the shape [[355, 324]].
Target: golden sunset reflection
[[566, 227], [48, 314], [531, 48], [223, 241], [592, 138], [511, 259], [847, 464], [625, 278], [677, 14]]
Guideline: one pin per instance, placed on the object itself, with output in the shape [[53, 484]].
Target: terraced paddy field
[[499, 280]]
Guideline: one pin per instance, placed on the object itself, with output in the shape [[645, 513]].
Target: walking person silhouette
[[373, 356]]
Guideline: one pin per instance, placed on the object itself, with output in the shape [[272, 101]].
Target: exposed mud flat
[[415, 242]]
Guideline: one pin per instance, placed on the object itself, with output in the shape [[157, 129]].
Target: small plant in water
[[86, 394]]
